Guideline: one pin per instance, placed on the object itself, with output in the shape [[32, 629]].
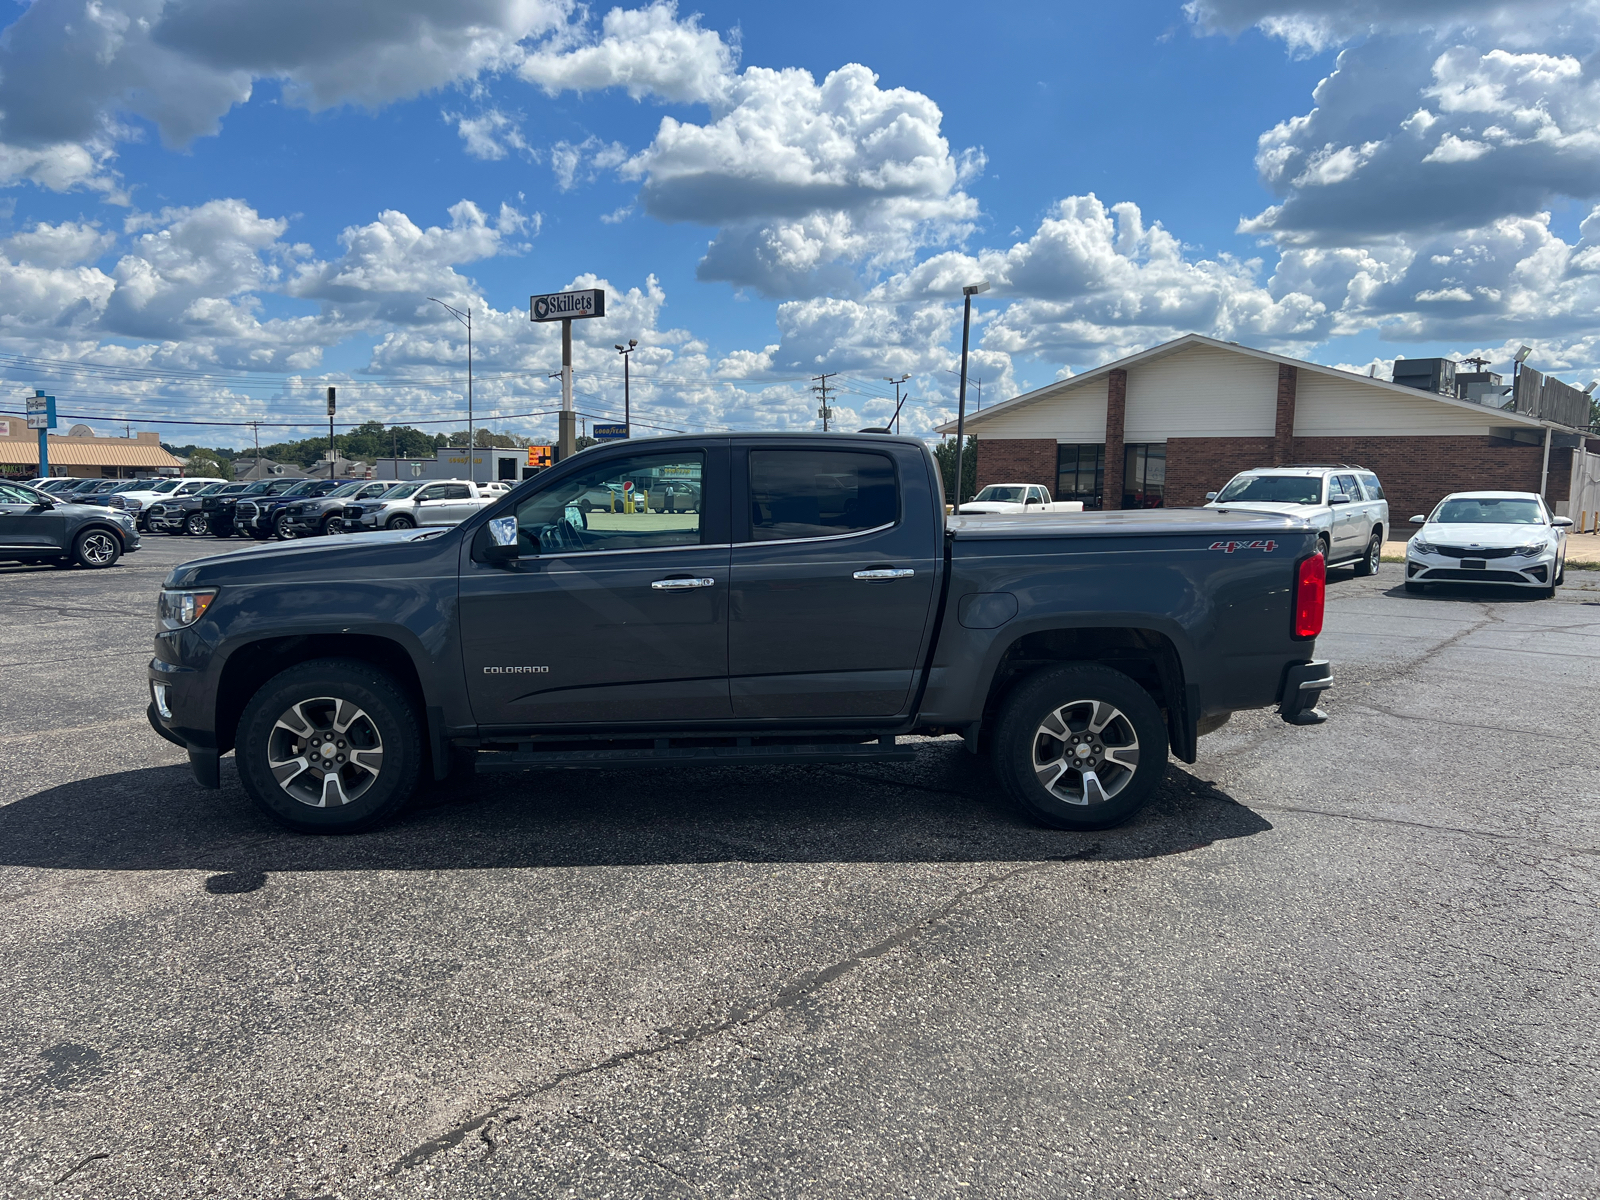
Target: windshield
[[346, 489], [165, 486], [400, 491], [1273, 489], [1487, 511], [994, 494]]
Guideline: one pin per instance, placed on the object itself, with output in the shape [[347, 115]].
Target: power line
[[822, 388]]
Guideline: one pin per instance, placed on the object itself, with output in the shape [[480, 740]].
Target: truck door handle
[[877, 573], [681, 585]]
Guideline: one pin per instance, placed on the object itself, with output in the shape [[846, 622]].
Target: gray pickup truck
[[816, 605]]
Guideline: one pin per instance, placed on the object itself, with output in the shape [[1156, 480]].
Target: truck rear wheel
[[329, 746], [1080, 747]]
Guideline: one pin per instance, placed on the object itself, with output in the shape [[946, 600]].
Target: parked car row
[[288, 509]]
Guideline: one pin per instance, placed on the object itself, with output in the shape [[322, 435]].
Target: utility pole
[[897, 400], [627, 419], [333, 455], [967, 293], [394, 448], [466, 319], [822, 388]]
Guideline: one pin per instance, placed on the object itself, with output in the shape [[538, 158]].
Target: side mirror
[[1033, 500], [1338, 500], [45, 506], [1562, 522], [499, 556], [1419, 520], [1211, 495]]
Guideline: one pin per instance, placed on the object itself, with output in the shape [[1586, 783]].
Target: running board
[[489, 763]]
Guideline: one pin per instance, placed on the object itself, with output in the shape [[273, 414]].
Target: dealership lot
[[1355, 960]]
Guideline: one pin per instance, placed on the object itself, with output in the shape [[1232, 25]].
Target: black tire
[[223, 530], [387, 719], [196, 525], [1322, 548], [400, 522], [281, 530], [1374, 555], [1136, 731], [96, 549], [259, 535], [332, 526], [585, 507], [1416, 589], [1561, 572]]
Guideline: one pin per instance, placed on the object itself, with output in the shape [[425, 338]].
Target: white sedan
[[1508, 538]]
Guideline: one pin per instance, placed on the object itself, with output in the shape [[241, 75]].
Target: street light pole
[[466, 319], [967, 293], [627, 414]]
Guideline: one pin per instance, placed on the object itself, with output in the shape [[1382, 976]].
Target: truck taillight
[[1310, 593]]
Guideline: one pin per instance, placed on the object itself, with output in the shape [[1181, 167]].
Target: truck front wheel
[[329, 746], [1080, 747]]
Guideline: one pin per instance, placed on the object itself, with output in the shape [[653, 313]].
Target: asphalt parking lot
[[1357, 960]]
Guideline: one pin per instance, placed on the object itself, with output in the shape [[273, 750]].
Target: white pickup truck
[[1000, 498]]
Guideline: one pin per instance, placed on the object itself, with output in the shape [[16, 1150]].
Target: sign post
[[332, 455], [42, 416], [567, 307]]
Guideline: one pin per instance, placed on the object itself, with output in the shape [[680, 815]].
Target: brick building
[[1166, 426]]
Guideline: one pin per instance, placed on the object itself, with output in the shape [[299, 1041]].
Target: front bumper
[[1303, 685], [1511, 571], [184, 694]]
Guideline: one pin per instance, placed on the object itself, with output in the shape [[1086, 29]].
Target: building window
[[1144, 476], [1081, 473]]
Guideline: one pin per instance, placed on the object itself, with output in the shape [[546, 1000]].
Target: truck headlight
[[176, 610]]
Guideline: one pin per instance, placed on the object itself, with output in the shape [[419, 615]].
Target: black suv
[[186, 514], [325, 514], [36, 526], [219, 510], [262, 516]]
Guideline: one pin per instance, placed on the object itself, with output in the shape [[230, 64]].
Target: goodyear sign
[[606, 433], [568, 306]]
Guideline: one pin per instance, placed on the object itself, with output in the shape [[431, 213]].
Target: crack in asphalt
[[1556, 847], [784, 998], [1400, 716]]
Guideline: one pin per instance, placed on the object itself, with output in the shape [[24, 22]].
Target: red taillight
[[1310, 592]]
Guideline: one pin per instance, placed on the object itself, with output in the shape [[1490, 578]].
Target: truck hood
[[291, 556], [1141, 522]]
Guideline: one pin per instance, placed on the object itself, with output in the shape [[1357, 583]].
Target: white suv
[[1344, 504], [134, 502]]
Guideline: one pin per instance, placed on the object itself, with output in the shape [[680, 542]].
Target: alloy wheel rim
[[325, 752], [1085, 752], [97, 548], [283, 529]]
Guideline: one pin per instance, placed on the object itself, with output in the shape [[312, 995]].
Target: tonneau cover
[[1130, 523]]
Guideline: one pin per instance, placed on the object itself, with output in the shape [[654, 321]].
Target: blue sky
[[214, 209]]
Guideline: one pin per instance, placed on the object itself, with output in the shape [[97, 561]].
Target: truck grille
[[246, 511]]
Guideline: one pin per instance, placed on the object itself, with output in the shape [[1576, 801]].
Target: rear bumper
[[1303, 685]]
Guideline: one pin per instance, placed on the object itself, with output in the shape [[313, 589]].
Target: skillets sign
[[568, 306]]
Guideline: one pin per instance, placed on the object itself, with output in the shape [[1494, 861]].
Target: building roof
[[976, 421], [89, 452]]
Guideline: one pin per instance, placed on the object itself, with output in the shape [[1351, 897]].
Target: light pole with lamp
[[466, 319], [627, 415], [967, 293]]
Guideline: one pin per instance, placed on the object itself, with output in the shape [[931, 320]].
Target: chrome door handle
[[681, 585], [885, 573]]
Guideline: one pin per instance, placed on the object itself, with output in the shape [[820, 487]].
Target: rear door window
[[1336, 488], [456, 491], [1372, 487], [820, 493]]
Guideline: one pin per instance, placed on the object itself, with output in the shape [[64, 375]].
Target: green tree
[[206, 462], [945, 453]]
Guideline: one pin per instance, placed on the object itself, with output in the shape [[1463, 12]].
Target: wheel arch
[[249, 666], [1148, 656]]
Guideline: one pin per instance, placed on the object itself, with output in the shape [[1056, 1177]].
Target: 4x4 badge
[[1230, 547]]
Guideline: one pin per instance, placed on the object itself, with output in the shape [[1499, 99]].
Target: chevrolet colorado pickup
[[815, 606]]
